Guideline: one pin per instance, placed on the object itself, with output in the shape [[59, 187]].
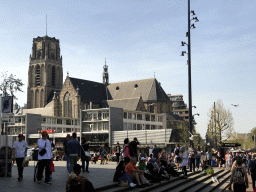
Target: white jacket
[[41, 144]]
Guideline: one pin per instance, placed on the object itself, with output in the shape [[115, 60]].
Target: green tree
[[184, 134], [221, 123], [10, 84]]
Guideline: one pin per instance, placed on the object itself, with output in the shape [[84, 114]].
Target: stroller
[[35, 158]]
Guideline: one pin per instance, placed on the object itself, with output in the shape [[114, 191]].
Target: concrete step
[[116, 188], [208, 183], [176, 186]]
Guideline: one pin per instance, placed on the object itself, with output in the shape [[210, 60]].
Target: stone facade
[[45, 72]]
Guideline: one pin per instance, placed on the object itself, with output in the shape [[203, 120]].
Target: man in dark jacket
[[65, 148], [155, 152], [74, 151], [85, 149], [133, 148], [252, 169]]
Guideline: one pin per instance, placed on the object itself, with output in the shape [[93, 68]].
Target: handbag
[[52, 169], [86, 153], [25, 161], [43, 151]]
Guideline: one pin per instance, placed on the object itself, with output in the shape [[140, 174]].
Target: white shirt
[[41, 144], [20, 148], [185, 159]]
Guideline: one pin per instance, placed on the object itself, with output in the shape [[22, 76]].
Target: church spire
[[105, 73]]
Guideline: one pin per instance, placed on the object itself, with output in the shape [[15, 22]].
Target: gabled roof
[[127, 104], [50, 98], [90, 91], [149, 89]]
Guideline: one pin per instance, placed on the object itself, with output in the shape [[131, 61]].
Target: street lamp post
[[189, 66]]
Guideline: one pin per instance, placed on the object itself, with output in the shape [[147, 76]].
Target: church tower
[[105, 74], [45, 74]]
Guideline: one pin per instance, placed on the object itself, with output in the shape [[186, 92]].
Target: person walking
[[102, 153], [65, 148], [44, 160], [184, 162], [209, 156], [84, 157], [74, 151], [133, 148], [198, 158], [118, 151], [155, 152], [52, 148], [191, 157], [177, 156], [252, 169], [19, 152], [239, 177]]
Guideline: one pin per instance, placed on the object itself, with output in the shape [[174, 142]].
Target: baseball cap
[[142, 159], [20, 135]]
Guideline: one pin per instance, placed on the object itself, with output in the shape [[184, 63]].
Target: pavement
[[99, 175]]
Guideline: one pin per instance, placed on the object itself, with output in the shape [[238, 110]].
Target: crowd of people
[[135, 169]]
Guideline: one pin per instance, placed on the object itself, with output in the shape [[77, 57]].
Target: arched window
[[38, 75], [67, 105], [38, 55], [52, 56], [53, 76]]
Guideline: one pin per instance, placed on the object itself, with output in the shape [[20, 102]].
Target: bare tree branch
[[10, 85]]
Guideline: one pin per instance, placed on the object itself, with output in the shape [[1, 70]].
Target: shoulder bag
[[86, 153], [43, 151]]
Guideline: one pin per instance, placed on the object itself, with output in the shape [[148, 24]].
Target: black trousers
[[253, 180], [117, 157], [41, 164], [184, 170], [19, 166]]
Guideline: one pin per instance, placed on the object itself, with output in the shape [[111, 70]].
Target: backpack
[[238, 177], [252, 166]]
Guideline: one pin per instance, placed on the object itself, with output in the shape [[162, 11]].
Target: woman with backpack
[[239, 177]]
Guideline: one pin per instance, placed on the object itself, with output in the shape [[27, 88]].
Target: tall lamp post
[[189, 65]]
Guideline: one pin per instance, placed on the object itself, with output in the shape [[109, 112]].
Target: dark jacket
[[74, 147], [119, 172], [84, 147], [102, 151]]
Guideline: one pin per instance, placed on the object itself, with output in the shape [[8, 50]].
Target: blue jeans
[[83, 163], [68, 163], [191, 162], [125, 177], [197, 162], [102, 158]]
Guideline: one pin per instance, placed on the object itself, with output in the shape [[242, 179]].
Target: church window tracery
[[53, 76], [38, 75], [67, 105]]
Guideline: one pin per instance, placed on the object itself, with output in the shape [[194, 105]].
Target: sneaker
[[48, 183], [39, 182], [132, 185], [87, 171]]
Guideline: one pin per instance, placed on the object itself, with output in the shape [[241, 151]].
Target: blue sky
[[140, 37]]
